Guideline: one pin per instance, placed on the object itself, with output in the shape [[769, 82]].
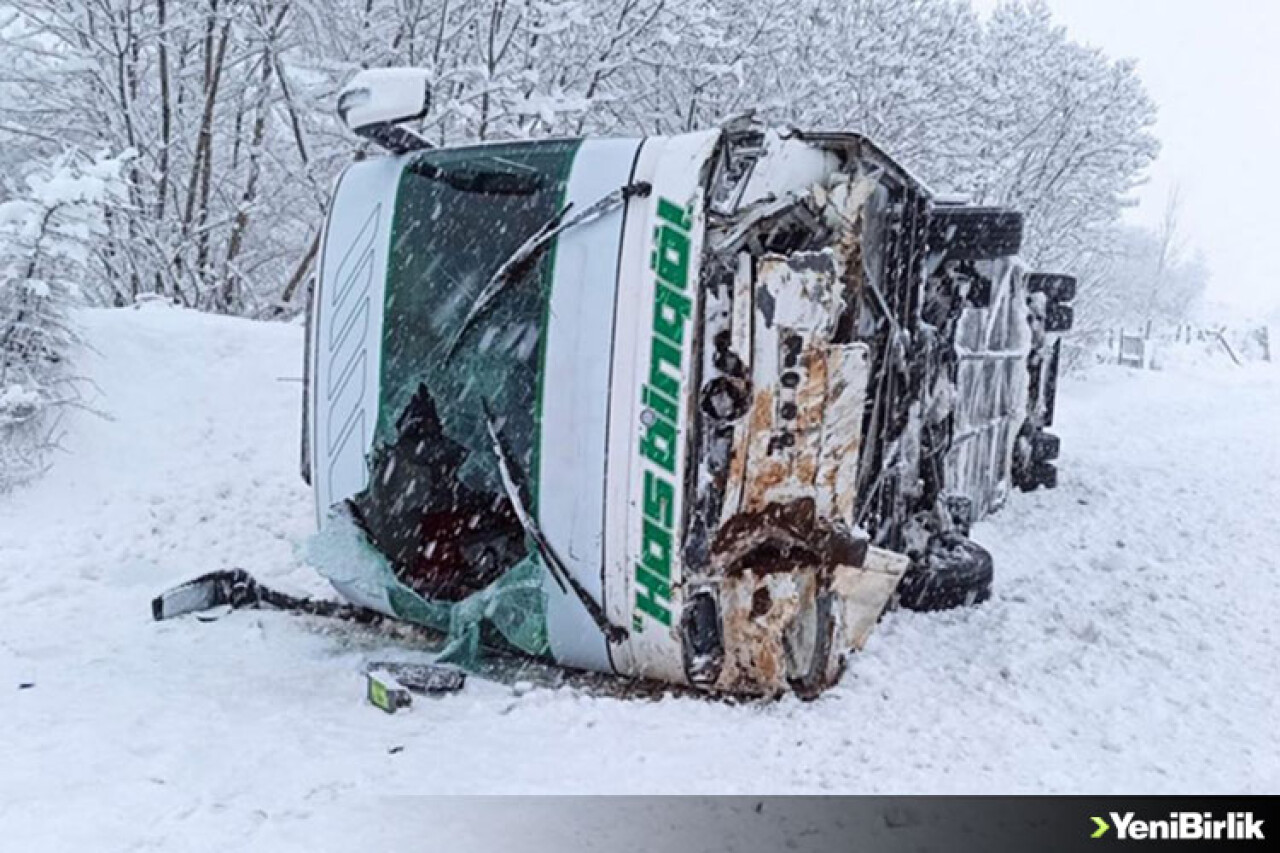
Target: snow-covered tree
[[229, 106], [48, 239], [1066, 133], [905, 72], [1145, 280]]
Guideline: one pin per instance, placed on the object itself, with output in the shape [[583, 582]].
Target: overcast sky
[[1213, 66]]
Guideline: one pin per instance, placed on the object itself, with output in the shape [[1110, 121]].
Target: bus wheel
[[955, 572]]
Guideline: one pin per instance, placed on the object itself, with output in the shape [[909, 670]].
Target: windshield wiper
[[482, 181], [516, 486], [530, 251]]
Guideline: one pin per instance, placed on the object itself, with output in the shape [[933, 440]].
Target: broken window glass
[[435, 504]]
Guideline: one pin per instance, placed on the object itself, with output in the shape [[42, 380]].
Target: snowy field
[[1133, 643]]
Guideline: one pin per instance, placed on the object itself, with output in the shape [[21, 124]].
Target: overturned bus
[[693, 408]]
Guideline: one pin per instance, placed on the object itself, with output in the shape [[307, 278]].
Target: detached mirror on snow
[[377, 101]]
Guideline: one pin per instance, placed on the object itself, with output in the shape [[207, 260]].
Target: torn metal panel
[[848, 374], [787, 165], [803, 424], [758, 611], [783, 573], [864, 592], [783, 536], [788, 627], [741, 341], [795, 583]]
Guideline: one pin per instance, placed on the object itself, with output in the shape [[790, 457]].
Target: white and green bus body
[[588, 363]]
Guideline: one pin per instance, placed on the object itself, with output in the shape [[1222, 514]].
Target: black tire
[[956, 572], [1056, 288], [1058, 317], [975, 233], [1045, 446], [1038, 475], [1049, 397]]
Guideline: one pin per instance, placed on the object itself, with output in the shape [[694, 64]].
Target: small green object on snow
[[386, 693]]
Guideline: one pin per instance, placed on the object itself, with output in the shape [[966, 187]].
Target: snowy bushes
[[47, 238]]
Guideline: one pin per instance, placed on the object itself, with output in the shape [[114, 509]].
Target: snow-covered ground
[[1133, 643]]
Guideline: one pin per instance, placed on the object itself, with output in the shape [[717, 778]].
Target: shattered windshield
[[435, 504]]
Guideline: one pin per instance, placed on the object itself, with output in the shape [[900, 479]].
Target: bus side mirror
[[376, 102]]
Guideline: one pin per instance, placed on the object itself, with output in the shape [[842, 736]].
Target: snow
[[1130, 645]]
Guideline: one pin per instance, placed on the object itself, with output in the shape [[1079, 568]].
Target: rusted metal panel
[[788, 628], [780, 446], [848, 375], [759, 610], [797, 585]]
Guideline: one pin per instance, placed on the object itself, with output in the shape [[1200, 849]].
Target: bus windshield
[[435, 504]]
